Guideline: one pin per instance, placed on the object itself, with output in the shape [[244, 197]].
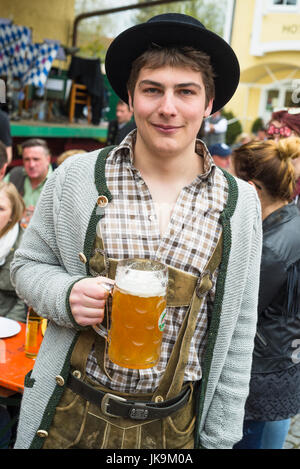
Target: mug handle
[[101, 330]]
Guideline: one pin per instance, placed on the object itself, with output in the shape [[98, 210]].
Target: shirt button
[[151, 218], [42, 433], [60, 380], [82, 258]]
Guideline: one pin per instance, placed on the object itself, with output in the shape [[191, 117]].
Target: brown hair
[[157, 57], [16, 202], [269, 162], [36, 142], [66, 154]]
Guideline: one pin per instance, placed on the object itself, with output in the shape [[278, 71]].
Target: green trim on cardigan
[[215, 321], [102, 189], [48, 416], [68, 307], [28, 381]]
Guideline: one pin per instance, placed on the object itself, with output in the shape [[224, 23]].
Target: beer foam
[[141, 283]]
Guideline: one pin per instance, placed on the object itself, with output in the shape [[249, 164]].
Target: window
[[285, 2], [272, 99]]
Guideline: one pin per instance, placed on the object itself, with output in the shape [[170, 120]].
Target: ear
[[130, 102], [208, 109]]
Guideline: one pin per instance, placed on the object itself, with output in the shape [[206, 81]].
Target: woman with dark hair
[[274, 395]]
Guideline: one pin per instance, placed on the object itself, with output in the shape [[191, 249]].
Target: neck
[[268, 208], [35, 182], [184, 166]]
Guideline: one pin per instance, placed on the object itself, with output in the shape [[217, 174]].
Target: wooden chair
[[79, 95]]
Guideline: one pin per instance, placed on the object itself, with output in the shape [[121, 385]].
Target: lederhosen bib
[[88, 414]]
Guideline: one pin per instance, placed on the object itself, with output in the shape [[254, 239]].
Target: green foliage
[[234, 129], [209, 12]]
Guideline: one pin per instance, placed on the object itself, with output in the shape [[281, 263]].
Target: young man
[[157, 195]]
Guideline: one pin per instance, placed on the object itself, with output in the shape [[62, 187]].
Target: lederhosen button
[[60, 380], [42, 433]]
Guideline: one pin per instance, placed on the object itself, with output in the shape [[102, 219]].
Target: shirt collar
[[124, 153], [50, 171]]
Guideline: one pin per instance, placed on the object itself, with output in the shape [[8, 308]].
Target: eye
[[186, 92], [151, 90]]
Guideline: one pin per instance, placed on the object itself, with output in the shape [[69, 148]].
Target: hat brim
[[131, 43]]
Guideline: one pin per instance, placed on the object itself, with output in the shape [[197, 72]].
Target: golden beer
[[137, 318], [34, 334]]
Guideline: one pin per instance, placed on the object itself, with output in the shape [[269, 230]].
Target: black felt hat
[[173, 29]]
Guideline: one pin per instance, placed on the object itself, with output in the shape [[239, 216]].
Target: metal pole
[[83, 16]]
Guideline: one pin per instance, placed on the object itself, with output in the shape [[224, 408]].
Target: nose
[[167, 106]]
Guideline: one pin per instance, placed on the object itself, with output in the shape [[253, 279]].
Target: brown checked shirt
[[130, 228]]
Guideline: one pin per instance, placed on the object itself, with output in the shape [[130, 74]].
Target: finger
[[88, 316], [89, 302]]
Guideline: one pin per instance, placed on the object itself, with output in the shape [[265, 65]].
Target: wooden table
[[14, 365]]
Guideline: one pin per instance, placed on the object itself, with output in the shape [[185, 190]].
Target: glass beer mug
[[137, 316]]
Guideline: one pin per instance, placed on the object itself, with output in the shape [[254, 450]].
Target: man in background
[[30, 178], [221, 154], [121, 126], [215, 128]]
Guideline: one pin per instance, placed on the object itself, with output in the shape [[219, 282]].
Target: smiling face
[[169, 106]]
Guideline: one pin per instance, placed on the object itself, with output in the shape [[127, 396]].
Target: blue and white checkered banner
[[13, 42], [22, 59], [39, 58]]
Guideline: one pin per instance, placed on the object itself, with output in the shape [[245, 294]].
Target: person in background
[[30, 178], [5, 135], [221, 154], [283, 124], [261, 134], [66, 154], [121, 126], [11, 306], [11, 211], [242, 138], [215, 128], [274, 395], [3, 160]]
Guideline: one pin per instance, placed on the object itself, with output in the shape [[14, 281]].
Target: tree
[[234, 127], [208, 12]]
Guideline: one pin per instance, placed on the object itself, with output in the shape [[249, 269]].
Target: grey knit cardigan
[[47, 264]]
